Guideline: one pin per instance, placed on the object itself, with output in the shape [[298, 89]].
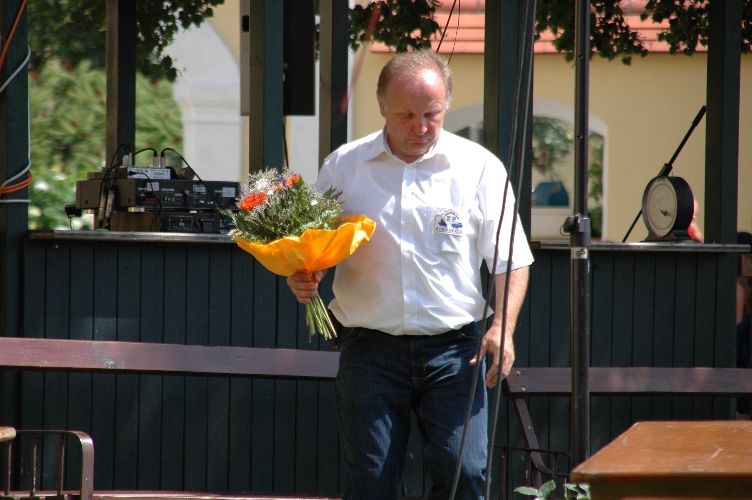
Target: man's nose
[[421, 125]]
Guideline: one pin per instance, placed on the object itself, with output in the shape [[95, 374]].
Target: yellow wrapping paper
[[314, 250]]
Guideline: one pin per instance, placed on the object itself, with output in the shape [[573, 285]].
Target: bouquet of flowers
[[290, 226]]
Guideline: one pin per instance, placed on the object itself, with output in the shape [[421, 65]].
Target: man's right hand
[[305, 286]]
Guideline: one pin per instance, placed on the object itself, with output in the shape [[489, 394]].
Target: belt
[[470, 329]]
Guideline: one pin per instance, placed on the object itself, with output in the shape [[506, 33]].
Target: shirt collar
[[380, 145]]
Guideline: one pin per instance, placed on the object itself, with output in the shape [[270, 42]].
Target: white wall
[[207, 91]]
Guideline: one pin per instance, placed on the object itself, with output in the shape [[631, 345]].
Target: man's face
[[414, 112]]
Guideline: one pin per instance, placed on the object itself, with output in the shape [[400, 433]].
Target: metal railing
[[87, 467], [536, 469]]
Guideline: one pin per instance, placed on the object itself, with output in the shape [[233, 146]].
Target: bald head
[[407, 66]]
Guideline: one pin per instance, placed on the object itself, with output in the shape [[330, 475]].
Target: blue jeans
[[381, 379]]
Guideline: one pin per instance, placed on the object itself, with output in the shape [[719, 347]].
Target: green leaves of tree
[[611, 37], [688, 23], [400, 24], [74, 30], [68, 132], [404, 24], [609, 34]]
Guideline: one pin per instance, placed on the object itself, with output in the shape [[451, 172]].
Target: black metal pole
[[580, 243]]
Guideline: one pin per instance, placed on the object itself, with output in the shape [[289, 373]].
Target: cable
[[456, 31], [359, 63], [7, 187], [18, 70], [514, 164], [154, 154], [446, 26], [16, 187], [104, 187], [284, 143], [524, 76], [216, 202], [11, 33]]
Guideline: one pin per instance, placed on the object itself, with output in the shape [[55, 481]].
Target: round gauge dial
[[667, 205]]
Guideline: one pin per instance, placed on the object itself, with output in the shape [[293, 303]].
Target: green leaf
[[546, 489], [527, 491], [581, 490]]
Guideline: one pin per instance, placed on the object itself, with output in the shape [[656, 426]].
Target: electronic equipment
[[172, 222], [137, 195], [148, 173], [196, 223]]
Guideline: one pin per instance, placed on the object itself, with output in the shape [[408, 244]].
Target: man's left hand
[[491, 345], [492, 339]]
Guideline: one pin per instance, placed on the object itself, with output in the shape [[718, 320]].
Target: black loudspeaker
[[299, 58]]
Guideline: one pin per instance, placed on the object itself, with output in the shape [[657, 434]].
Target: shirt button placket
[[408, 249]]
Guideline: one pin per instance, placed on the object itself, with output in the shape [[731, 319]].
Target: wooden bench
[[618, 381], [97, 356], [37, 354], [92, 356]]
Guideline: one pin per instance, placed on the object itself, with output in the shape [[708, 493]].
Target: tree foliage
[[74, 30], [404, 24], [400, 24], [688, 23], [68, 133]]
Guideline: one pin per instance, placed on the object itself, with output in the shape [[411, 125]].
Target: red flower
[[293, 179], [251, 201]]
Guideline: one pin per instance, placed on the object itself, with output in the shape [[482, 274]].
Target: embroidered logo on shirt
[[448, 222]]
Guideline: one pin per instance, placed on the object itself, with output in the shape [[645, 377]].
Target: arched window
[[553, 163]]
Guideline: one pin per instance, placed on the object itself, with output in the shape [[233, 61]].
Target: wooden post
[[722, 131], [14, 157], [121, 77], [333, 50], [14, 221], [722, 164], [265, 101], [500, 76]]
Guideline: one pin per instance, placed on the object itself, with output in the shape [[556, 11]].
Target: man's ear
[[382, 107]]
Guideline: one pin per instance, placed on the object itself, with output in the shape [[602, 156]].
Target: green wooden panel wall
[[171, 432], [648, 309], [234, 435]]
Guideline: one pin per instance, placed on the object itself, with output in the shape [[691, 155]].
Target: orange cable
[[16, 187], [356, 71], [12, 32]]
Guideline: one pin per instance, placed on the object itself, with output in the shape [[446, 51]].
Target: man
[[409, 300]]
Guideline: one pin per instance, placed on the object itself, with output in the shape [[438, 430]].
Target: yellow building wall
[[648, 108]]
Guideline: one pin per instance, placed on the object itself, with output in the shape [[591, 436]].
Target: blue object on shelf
[[550, 194]]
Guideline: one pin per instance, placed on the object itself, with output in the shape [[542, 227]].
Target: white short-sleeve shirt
[[436, 219]]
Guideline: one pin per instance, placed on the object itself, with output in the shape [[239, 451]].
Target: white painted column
[[207, 91]]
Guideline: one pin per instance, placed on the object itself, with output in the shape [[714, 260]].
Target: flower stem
[[317, 318]]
